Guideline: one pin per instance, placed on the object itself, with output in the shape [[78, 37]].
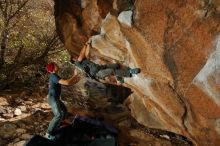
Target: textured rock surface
[[175, 43]]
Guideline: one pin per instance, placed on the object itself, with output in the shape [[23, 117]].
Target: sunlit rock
[[23, 108], [126, 17], [8, 130], [208, 78], [3, 101], [8, 116], [20, 131], [176, 45], [20, 143], [2, 110], [25, 136], [17, 112]]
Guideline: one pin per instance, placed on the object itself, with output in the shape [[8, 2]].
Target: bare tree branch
[[18, 54], [55, 52], [50, 45], [10, 10], [20, 6], [7, 8], [36, 45], [2, 9], [3, 46]]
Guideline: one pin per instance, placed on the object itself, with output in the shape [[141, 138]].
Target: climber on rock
[[100, 72], [58, 107]]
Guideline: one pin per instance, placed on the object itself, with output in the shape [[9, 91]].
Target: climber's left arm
[[88, 45], [82, 54]]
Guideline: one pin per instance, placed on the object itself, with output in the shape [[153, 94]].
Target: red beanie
[[50, 67]]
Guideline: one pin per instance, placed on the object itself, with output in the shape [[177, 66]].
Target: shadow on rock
[[116, 94], [107, 98]]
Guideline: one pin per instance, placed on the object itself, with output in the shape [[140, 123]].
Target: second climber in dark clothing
[[100, 72]]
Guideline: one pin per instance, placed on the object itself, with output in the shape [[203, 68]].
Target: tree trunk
[[3, 46]]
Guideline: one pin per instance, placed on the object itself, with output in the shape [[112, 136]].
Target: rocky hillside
[[176, 43]]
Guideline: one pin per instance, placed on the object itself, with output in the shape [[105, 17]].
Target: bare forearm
[[70, 81], [87, 51], [82, 54], [73, 80]]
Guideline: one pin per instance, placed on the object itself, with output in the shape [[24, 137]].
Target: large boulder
[[176, 43]]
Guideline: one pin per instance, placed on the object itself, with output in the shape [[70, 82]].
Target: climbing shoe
[[113, 66], [135, 70], [52, 138]]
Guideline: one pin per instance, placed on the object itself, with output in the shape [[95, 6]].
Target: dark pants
[[59, 111], [113, 69]]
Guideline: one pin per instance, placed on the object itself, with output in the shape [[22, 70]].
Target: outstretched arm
[[84, 53], [88, 44], [73, 80]]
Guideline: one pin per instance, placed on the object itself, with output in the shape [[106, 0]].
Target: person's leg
[[127, 72], [122, 72], [119, 73], [59, 111], [63, 107], [113, 66], [104, 73]]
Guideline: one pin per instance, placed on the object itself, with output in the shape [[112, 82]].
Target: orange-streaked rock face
[[175, 43]]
